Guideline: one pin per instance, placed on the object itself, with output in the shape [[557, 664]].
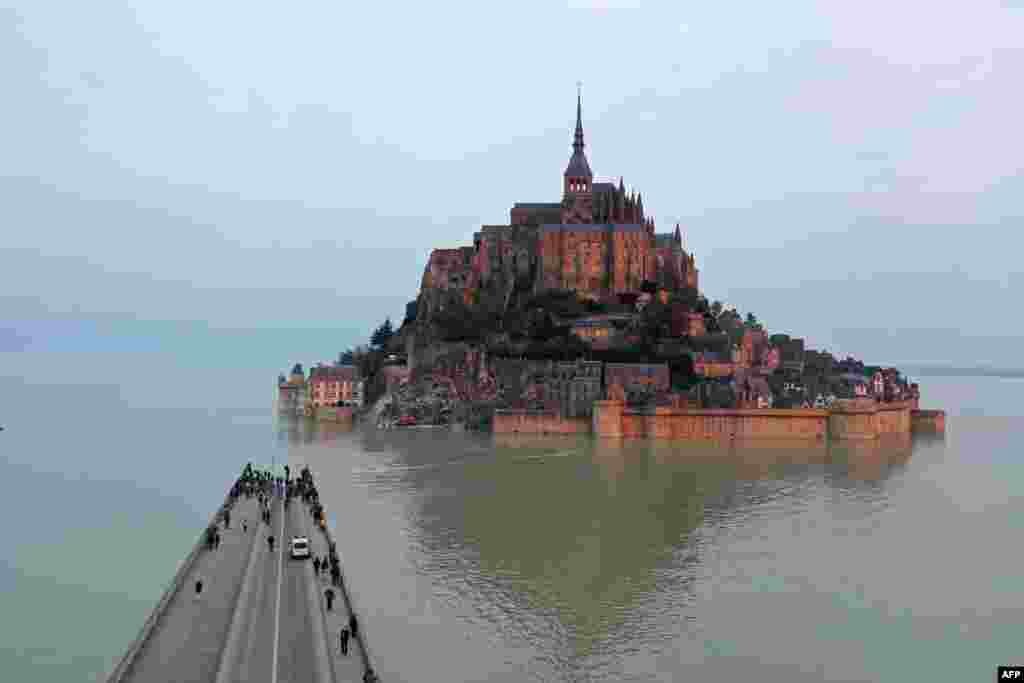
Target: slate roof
[[578, 165]]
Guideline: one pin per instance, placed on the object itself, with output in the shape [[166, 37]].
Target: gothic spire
[[577, 143], [578, 167]]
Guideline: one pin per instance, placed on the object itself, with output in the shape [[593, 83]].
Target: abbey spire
[[578, 178]]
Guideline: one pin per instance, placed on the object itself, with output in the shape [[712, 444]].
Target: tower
[[578, 181]]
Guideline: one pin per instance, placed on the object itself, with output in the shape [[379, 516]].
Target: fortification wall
[[928, 421], [614, 419], [513, 421], [894, 418], [847, 420]]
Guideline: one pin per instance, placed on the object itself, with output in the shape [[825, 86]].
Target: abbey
[[596, 241]]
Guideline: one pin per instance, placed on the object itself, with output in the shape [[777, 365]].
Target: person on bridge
[[316, 565], [329, 594], [352, 625], [344, 636], [199, 587], [227, 519], [270, 542], [245, 527]]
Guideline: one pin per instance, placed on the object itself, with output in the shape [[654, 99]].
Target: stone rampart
[[846, 420], [711, 424], [928, 421], [513, 421]]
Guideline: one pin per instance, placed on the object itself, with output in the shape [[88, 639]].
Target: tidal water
[[501, 559]]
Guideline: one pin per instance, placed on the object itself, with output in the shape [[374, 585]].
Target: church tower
[[578, 181]]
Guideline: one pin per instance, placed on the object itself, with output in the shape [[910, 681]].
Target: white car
[[300, 547]]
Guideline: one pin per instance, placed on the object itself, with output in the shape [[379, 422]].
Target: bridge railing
[[369, 662], [124, 666]]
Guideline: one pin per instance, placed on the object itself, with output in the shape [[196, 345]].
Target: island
[[578, 316]]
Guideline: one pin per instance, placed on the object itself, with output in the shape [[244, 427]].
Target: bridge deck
[[185, 644], [261, 616]]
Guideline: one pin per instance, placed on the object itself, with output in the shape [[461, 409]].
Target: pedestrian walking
[[227, 519], [370, 677], [199, 587], [245, 527], [316, 565], [270, 542], [329, 594], [345, 635], [352, 625]]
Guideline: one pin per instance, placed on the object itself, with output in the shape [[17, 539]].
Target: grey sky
[[848, 171]]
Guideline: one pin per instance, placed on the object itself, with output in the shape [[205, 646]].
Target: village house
[[752, 391], [334, 385], [622, 378], [291, 392], [792, 351], [713, 364], [601, 331]]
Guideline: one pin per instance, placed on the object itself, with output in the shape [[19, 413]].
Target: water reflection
[[562, 538], [294, 431]]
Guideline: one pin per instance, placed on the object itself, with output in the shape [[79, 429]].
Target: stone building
[[329, 386], [713, 365], [291, 397], [596, 241], [574, 386], [621, 379], [602, 331]]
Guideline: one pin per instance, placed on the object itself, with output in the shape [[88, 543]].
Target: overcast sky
[[848, 171]]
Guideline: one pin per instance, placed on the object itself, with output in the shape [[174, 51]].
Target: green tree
[[382, 334], [716, 309], [411, 311], [753, 323], [347, 357]]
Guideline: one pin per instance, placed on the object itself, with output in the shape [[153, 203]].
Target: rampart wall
[[511, 421]]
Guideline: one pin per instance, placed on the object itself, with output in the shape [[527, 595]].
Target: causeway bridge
[[261, 616]]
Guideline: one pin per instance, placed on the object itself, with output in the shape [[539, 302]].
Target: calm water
[[534, 559]]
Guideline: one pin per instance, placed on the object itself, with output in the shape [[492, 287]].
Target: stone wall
[[682, 424], [512, 421], [928, 421], [846, 421]]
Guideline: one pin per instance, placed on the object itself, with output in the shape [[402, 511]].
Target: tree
[[347, 357], [382, 334], [411, 311], [752, 322], [297, 369], [716, 309]]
